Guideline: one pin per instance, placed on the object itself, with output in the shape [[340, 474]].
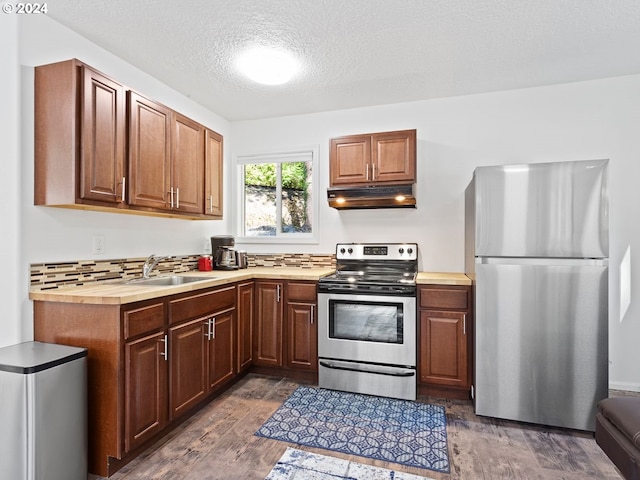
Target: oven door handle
[[378, 370]]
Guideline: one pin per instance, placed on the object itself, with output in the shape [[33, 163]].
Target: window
[[278, 201]]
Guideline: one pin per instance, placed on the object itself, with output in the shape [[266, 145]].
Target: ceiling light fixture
[[267, 66]]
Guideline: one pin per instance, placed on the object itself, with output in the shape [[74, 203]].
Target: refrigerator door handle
[[569, 262]]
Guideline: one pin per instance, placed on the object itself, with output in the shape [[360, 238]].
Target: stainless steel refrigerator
[[537, 244]]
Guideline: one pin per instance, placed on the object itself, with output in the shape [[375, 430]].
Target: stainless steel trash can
[[43, 412]]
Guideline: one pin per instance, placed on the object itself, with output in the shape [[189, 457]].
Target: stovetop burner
[[387, 268], [359, 276]]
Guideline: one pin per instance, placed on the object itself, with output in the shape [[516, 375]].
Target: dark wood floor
[[219, 443]]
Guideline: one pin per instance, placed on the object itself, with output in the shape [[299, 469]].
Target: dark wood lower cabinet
[[302, 336], [444, 359], [145, 389], [445, 340], [152, 363], [221, 351], [245, 314], [286, 331], [187, 366], [269, 323]]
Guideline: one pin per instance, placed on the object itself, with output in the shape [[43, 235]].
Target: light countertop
[[442, 278], [118, 293], [113, 293]]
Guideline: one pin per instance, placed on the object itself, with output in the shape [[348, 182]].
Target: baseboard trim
[[624, 386]]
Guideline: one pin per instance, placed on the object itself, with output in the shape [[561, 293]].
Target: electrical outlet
[[98, 245]]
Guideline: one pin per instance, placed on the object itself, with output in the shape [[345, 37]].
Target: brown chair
[[618, 433]]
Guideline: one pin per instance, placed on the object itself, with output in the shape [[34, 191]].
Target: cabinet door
[[145, 389], [103, 131], [245, 326], [187, 169], [393, 157], [221, 351], [302, 336], [443, 353], [187, 365], [350, 160], [149, 153], [269, 318], [213, 174]]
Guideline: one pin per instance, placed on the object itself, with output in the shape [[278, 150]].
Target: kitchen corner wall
[[597, 119]]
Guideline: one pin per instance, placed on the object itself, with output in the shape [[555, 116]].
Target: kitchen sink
[[166, 280]]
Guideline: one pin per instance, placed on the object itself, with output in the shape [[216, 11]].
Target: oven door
[[367, 328]]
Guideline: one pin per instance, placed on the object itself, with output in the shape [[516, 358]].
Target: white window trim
[[267, 157]]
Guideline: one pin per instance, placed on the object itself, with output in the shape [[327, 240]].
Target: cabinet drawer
[[445, 297], [301, 291], [143, 320], [200, 305]]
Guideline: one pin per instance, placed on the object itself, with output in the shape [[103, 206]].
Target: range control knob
[[342, 250], [350, 250], [409, 250], [401, 250]]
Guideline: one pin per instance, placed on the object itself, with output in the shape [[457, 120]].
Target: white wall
[[10, 281], [589, 120], [52, 234]]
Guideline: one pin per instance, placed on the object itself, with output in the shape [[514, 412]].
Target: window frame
[[279, 155]]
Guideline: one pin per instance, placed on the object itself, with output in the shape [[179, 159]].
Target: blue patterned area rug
[[398, 431], [296, 464]]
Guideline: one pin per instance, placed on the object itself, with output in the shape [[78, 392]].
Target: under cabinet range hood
[[388, 196]]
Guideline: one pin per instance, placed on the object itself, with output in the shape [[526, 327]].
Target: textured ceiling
[[362, 52]]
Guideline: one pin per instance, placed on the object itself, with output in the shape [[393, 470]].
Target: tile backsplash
[[46, 276]]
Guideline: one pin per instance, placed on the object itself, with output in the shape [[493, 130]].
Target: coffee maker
[[224, 256]]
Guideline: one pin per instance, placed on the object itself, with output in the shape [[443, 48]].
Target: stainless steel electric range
[[367, 320]]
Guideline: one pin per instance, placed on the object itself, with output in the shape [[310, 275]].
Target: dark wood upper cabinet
[[213, 174], [373, 159], [103, 131], [85, 123], [187, 164], [79, 137], [149, 153]]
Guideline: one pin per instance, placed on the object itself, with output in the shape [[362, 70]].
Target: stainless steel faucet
[[150, 264]]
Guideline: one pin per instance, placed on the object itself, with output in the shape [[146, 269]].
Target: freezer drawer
[[541, 342]]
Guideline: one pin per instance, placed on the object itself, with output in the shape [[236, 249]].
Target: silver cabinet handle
[[313, 313], [208, 334], [464, 323], [165, 352], [171, 197], [213, 327], [373, 171], [177, 197], [124, 182], [367, 172], [278, 290], [210, 203]]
